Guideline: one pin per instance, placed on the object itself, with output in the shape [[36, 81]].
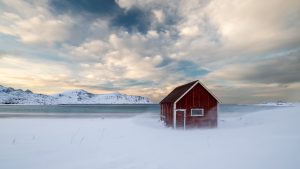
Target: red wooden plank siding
[[167, 113], [199, 97]]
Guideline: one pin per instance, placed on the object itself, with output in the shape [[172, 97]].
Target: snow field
[[264, 139]]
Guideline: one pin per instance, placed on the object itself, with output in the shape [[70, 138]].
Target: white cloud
[[254, 26], [128, 57], [219, 35], [213, 34], [152, 34], [89, 50], [159, 15], [122, 54], [126, 3], [190, 31], [32, 22]]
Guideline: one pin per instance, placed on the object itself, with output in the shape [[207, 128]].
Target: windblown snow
[[10, 95], [268, 139]]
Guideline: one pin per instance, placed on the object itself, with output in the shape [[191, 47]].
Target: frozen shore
[[263, 139]]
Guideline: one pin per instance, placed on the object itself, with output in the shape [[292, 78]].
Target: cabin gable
[[177, 107]]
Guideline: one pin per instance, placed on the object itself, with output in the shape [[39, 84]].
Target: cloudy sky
[[244, 51]]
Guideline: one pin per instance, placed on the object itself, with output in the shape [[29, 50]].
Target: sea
[[109, 110]]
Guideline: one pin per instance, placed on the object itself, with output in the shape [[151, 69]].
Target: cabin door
[[180, 118]]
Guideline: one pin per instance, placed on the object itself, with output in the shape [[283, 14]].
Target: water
[[122, 110], [106, 110]]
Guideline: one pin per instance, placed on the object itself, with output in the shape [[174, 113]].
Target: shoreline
[[68, 115], [114, 104]]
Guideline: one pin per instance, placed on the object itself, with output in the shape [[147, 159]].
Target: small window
[[197, 112]]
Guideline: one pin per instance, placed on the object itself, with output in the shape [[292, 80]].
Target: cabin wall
[[166, 113], [199, 97]]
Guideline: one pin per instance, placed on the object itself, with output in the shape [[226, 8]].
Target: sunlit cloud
[[241, 52]]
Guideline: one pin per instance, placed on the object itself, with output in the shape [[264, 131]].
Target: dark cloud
[[121, 84], [96, 7], [132, 20], [282, 70], [189, 69], [166, 61]]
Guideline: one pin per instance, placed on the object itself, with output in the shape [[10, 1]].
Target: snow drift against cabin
[[10, 95]]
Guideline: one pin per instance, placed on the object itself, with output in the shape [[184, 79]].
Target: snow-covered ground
[[258, 140]]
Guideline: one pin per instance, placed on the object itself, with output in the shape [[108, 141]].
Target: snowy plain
[[256, 140]]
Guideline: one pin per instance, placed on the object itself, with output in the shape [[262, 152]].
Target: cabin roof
[[180, 91]]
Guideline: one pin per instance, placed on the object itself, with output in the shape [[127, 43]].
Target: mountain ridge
[[9, 95]]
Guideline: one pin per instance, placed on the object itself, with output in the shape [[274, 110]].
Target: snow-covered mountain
[[277, 103], [84, 97], [10, 95]]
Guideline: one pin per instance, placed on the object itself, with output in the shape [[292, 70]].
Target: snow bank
[[260, 140]]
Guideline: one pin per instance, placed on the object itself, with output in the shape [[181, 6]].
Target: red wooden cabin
[[191, 105]]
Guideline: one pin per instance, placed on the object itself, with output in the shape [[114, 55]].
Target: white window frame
[[197, 114]]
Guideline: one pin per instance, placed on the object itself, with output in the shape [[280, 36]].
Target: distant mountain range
[[10, 95]]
